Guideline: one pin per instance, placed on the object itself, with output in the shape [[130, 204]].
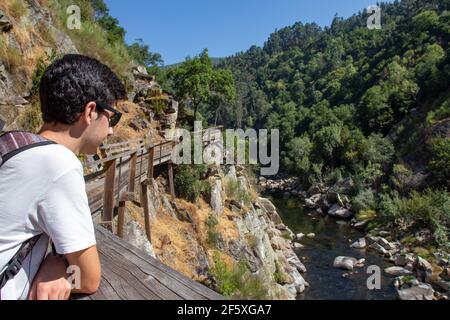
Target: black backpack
[[11, 144]]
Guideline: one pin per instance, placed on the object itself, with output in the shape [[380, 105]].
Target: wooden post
[[170, 173], [144, 204], [108, 195], [121, 219], [151, 156], [131, 183]]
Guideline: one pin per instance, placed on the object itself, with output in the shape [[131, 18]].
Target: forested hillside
[[373, 105]]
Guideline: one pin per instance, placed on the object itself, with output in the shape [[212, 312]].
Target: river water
[[333, 238]]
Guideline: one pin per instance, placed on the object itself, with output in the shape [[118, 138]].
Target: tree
[[196, 82], [115, 33], [141, 54], [439, 164], [298, 155]]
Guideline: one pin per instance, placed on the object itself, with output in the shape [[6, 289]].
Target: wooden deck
[[131, 274]]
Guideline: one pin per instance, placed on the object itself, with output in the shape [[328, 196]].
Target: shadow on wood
[[131, 274]]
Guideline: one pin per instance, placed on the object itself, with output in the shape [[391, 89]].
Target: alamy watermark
[[374, 281], [75, 277], [240, 147], [74, 18], [374, 20]]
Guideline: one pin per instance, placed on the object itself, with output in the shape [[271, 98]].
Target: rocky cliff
[[248, 232]]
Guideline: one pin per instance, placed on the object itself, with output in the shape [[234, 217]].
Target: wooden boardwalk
[[129, 273]]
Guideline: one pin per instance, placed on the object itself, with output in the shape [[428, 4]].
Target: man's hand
[[50, 282]]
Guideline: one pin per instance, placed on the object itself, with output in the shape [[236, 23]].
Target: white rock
[[397, 271], [423, 264], [360, 263], [360, 244], [403, 259], [311, 235], [345, 263], [386, 244], [377, 247], [300, 236], [372, 239], [298, 245], [420, 292], [295, 262]]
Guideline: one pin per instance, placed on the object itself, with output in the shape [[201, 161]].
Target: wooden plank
[[185, 287], [145, 284], [121, 219], [150, 165], [171, 184], [145, 205], [108, 198], [132, 174]]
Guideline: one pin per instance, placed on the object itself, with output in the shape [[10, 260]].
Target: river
[[333, 238]]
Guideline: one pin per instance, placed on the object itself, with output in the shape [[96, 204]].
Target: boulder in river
[[386, 244], [402, 260], [378, 248], [397, 271], [313, 201], [345, 263], [300, 236], [420, 292], [298, 245], [360, 244], [339, 212]]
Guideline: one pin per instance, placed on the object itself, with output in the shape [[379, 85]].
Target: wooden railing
[[125, 167]]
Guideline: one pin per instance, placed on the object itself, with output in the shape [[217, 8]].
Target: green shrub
[[440, 113], [212, 234], [333, 176], [439, 164], [400, 177], [237, 282], [364, 200], [430, 209], [236, 191], [279, 276], [189, 184]]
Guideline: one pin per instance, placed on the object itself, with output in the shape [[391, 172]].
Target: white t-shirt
[[42, 190]]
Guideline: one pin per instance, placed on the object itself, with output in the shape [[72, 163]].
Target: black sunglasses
[[115, 118]]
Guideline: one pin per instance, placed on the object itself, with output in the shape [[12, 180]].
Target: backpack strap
[[14, 142], [11, 144], [15, 264]]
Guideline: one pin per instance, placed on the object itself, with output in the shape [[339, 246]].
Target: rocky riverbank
[[420, 274]]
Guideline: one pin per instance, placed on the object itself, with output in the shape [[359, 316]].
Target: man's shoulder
[[54, 159]]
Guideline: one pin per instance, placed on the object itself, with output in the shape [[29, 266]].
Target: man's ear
[[90, 113]]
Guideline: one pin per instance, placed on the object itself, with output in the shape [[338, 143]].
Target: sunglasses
[[115, 118]]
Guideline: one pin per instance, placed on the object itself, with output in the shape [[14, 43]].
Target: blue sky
[[180, 28]]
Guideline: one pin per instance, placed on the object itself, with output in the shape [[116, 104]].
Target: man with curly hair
[[42, 190]]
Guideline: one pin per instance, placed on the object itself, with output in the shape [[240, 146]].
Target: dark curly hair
[[71, 82]]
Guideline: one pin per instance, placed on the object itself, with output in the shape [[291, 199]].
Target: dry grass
[[14, 9], [11, 56]]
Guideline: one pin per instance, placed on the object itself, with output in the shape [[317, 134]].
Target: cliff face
[[28, 36], [248, 232]]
